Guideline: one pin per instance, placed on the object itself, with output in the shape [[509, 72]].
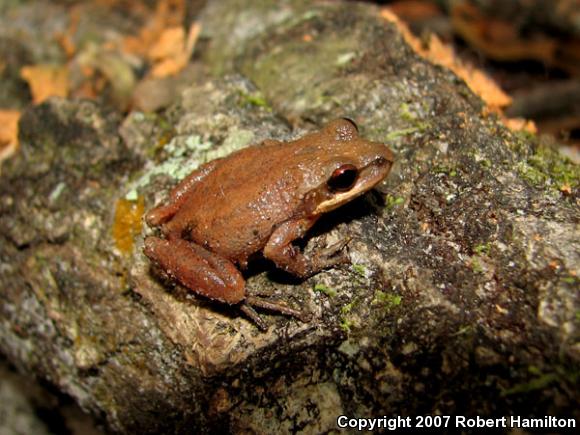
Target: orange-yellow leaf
[[172, 50], [438, 52], [46, 81], [171, 43], [127, 224], [520, 124], [8, 132], [168, 14]]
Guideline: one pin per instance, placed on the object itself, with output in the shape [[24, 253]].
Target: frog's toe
[[333, 255], [254, 317], [335, 248], [276, 307]]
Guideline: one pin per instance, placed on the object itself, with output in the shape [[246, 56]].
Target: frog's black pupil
[[343, 178]]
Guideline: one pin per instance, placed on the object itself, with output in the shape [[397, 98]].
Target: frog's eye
[[343, 178], [351, 122]]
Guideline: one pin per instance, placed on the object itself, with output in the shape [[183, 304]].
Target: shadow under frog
[[261, 199]]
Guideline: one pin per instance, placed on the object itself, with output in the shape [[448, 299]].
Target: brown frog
[[261, 199]]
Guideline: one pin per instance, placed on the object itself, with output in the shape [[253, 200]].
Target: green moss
[[411, 117], [525, 136], [255, 99], [538, 383], [476, 265], [345, 309], [447, 170], [399, 133], [346, 325], [571, 279], [392, 201], [359, 269], [305, 63], [388, 300], [482, 248], [406, 113], [346, 322], [321, 288], [548, 167]]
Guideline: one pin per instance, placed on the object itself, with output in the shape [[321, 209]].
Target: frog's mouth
[[368, 177]]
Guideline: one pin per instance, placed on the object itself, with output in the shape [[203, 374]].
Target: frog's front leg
[[288, 257], [198, 269]]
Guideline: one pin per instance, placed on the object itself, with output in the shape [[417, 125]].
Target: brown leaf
[[413, 10], [498, 39]]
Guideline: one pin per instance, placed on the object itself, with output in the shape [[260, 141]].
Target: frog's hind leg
[[251, 301], [254, 317], [273, 306], [209, 275], [198, 269]]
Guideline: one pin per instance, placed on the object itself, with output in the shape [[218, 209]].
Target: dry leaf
[[171, 43], [415, 9], [520, 124], [476, 79], [411, 39], [127, 224], [498, 39], [8, 133], [46, 81], [168, 13], [442, 54], [485, 87], [172, 51], [66, 38]]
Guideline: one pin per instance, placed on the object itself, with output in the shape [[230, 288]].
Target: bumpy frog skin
[[261, 199]]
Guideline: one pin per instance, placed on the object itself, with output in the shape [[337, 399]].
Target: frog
[[261, 199]]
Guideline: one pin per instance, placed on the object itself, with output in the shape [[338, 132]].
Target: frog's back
[[234, 209]]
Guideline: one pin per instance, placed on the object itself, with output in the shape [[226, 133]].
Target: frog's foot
[[254, 317], [161, 214], [288, 257], [251, 301], [332, 255]]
